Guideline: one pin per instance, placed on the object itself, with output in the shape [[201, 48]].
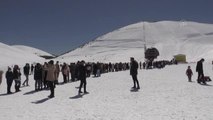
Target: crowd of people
[[46, 75], [156, 64]]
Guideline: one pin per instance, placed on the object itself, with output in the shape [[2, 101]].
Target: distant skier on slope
[[134, 72]]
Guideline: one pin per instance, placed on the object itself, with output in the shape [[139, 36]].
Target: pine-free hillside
[[35, 51], [11, 56], [170, 37]]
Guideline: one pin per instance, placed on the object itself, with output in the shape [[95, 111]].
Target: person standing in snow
[[140, 65], [57, 71], [51, 77], [82, 77], [17, 77], [32, 68], [189, 73], [72, 71], [65, 71], [134, 72], [95, 68], [26, 73], [1, 73], [38, 76], [199, 69], [44, 75], [9, 78]]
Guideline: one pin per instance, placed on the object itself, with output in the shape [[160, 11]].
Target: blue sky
[[57, 26]]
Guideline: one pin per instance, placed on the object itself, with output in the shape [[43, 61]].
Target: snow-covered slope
[[162, 96], [32, 50], [169, 37], [10, 56]]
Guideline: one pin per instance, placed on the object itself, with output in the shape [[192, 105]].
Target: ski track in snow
[[165, 94]]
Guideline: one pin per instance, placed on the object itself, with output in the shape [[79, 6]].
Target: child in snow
[[189, 73]]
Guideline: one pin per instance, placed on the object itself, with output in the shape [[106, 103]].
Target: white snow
[[11, 56], [195, 40], [165, 93], [32, 50]]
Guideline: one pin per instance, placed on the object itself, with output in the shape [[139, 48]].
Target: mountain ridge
[[169, 37]]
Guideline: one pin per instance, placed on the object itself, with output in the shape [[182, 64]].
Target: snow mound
[[35, 51], [11, 55]]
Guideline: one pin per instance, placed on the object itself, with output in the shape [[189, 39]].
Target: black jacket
[[82, 72], [26, 70], [16, 74], [199, 67], [134, 68], [9, 76], [38, 73]]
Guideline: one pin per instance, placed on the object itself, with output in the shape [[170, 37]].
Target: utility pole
[[144, 39]]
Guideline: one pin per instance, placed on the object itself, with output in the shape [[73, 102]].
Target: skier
[[134, 72], [189, 73]]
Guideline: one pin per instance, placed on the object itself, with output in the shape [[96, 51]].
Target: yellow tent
[[180, 58]]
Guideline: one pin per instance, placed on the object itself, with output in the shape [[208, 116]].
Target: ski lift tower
[[144, 39]]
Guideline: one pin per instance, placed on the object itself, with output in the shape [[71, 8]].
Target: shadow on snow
[[41, 101], [5, 94], [77, 96], [134, 90]]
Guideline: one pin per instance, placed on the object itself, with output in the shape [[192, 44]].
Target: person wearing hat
[[199, 69]]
